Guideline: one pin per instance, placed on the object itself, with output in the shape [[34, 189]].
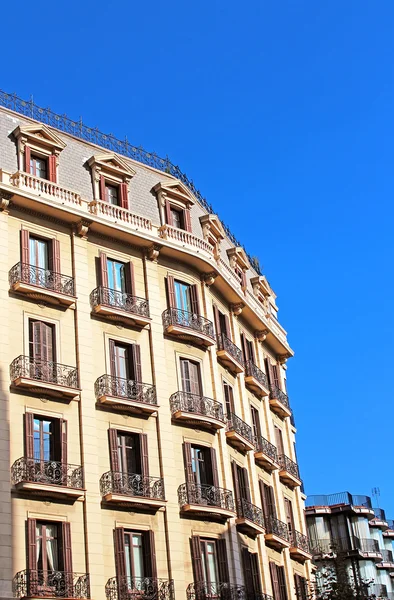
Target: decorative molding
[[282, 358], [153, 252], [261, 334], [209, 278], [237, 255], [236, 309], [40, 215], [5, 199], [82, 228]]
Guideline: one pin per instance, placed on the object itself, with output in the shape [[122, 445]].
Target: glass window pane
[[211, 562], [138, 557], [128, 558]]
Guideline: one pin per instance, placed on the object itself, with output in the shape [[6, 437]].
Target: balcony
[[132, 490], [229, 354], [186, 240], [215, 591], [363, 548], [266, 454], [389, 533], [126, 395], [120, 307], [379, 590], [379, 520], [279, 402], [44, 378], [387, 560], [197, 411], [50, 584], [47, 478], [146, 588], [206, 501], [188, 326], [299, 546], [340, 502], [42, 284], [256, 380], [276, 534], [288, 472], [250, 518], [239, 434]]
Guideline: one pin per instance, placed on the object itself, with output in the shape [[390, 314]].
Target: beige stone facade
[[204, 323]]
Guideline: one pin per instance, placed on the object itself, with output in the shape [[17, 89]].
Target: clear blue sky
[[282, 113]]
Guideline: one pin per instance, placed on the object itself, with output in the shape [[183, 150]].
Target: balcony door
[[201, 474], [191, 384], [129, 453], [183, 299], [229, 399], [116, 275], [129, 462], [125, 365], [279, 440], [48, 554], [289, 517], [116, 279], [268, 504], [42, 351], [39, 253], [135, 562], [250, 563], [241, 488], [255, 423], [210, 566]]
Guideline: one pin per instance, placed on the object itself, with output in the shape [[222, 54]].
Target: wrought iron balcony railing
[[54, 584], [49, 372], [340, 498], [148, 588], [217, 591], [132, 484], [120, 301], [47, 472], [44, 278], [387, 556], [249, 511], [289, 465], [276, 393], [195, 404], [300, 541], [252, 370], [263, 445], [224, 343], [127, 389], [273, 525], [234, 423], [205, 495], [189, 320]]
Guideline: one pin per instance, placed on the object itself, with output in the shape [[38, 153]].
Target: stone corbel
[[206, 228], [261, 335], [236, 309], [209, 278], [5, 199], [153, 252], [282, 358], [82, 228]]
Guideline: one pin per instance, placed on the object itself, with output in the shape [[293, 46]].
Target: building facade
[[143, 407], [346, 527]]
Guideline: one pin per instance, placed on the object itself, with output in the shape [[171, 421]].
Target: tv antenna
[[376, 494]]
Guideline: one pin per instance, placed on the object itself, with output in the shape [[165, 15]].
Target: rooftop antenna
[[376, 494]]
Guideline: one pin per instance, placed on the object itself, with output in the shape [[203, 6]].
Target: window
[[209, 563], [116, 275], [191, 377], [49, 551], [48, 547], [278, 581], [268, 501], [182, 297], [135, 559], [129, 454], [250, 562], [289, 515], [241, 482], [134, 555], [38, 166], [222, 324], [44, 439], [279, 440], [175, 201], [255, 422], [229, 398], [42, 257], [42, 343], [210, 566], [247, 349], [200, 465], [39, 252], [176, 218], [272, 373], [125, 362], [38, 150], [117, 279], [301, 587], [112, 194]]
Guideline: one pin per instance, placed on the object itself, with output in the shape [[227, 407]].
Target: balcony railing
[[377, 589], [252, 370], [205, 495], [387, 556], [379, 514], [340, 498], [276, 393], [390, 523], [47, 472], [249, 511], [148, 588], [195, 404], [127, 389], [289, 465], [273, 525], [224, 343], [188, 320], [49, 372], [53, 584], [43, 278], [300, 541], [215, 591], [119, 301], [46, 188], [234, 423], [263, 445], [185, 238], [346, 544], [132, 484]]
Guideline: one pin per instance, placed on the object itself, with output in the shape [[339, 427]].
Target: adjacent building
[[348, 527], [147, 439]]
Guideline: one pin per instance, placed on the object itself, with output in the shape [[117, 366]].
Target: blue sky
[[282, 113]]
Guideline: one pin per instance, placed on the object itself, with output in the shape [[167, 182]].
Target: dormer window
[[111, 176], [175, 202], [38, 166], [239, 263], [213, 232], [176, 218], [265, 295], [38, 151]]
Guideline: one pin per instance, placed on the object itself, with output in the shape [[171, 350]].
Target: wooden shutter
[[66, 548], [276, 376], [124, 195], [194, 299], [216, 318], [268, 371], [27, 159], [31, 544], [144, 454], [250, 347], [63, 440], [168, 212], [112, 358], [129, 277], [187, 457], [52, 168], [214, 467], [136, 354], [48, 342], [243, 280], [171, 292], [282, 582], [274, 581], [271, 501], [102, 188], [195, 547], [228, 330], [297, 586], [222, 560], [254, 560], [195, 379], [149, 554], [234, 469], [113, 450], [120, 555], [289, 514], [41, 341], [54, 257], [279, 440], [247, 567], [29, 435], [103, 270], [245, 491], [187, 219], [245, 349], [25, 250]]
